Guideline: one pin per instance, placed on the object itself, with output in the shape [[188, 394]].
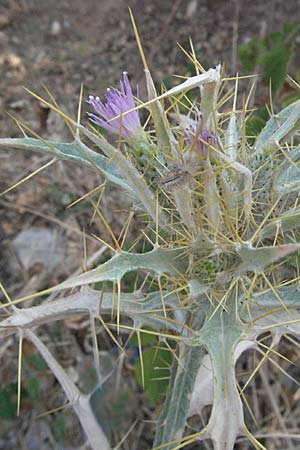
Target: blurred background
[[61, 45]]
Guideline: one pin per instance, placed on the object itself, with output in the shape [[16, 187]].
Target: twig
[[80, 402], [47, 217], [274, 404]]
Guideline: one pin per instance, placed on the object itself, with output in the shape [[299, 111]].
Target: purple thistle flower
[[116, 103], [199, 140]]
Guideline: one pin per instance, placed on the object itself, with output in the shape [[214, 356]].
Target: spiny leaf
[[171, 423], [143, 309], [159, 260], [165, 138], [257, 259], [221, 335], [287, 177], [280, 127], [203, 393], [284, 222], [232, 137], [69, 151], [267, 311]]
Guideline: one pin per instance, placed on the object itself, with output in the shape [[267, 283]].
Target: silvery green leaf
[[133, 178], [159, 261], [228, 178], [232, 138], [257, 259], [221, 335], [209, 97], [290, 295], [172, 420], [277, 311], [165, 139], [143, 309], [211, 195], [287, 221], [70, 151], [287, 176], [279, 128], [203, 392]]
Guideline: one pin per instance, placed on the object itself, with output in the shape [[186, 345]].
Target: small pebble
[[55, 28]]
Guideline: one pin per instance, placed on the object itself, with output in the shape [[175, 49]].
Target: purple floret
[[205, 137], [117, 102]]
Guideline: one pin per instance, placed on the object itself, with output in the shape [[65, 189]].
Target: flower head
[[198, 137], [116, 103]]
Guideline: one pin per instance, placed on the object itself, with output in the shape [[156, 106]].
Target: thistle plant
[[222, 218]]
